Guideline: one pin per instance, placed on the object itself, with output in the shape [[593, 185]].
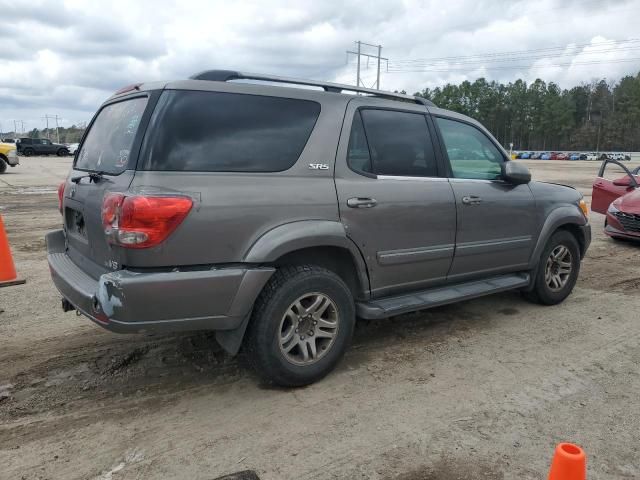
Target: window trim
[[152, 98], [445, 154], [440, 167]]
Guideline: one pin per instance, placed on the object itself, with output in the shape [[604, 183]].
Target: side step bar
[[434, 297]]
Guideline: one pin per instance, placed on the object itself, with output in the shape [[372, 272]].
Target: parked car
[[525, 155], [592, 156], [545, 156], [562, 156], [8, 140], [619, 200], [553, 156], [574, 156], [582, 156], [536, 156], [72, 147], [358, 213], [8, 156], [40, 146]]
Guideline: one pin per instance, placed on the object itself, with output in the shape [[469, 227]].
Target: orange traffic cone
[[569, 463], [8, 274]]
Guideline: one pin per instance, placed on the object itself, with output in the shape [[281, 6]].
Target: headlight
[[612, 209], [583, 206]]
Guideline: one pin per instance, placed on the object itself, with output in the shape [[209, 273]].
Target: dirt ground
[[478, 390]]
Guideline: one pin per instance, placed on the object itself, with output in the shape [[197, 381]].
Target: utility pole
[[359, 54], [358, 77]]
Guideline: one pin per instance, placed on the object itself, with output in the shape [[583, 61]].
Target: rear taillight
[[141, 221], [61, 195]]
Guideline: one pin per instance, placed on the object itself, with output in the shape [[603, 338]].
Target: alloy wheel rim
[[558, 268], [308, 328]]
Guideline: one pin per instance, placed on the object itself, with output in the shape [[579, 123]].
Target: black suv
[[40, 146]]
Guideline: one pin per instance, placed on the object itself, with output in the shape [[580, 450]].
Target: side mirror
[[515, 172]]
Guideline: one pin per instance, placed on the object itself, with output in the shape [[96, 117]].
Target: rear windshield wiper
[[93, 177]]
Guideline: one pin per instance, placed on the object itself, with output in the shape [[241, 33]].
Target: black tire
[[542, 291], [263, 339], [3, 166], [27, 152], [63, 152]]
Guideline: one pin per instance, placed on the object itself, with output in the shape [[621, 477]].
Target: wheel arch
[[320, 242], [567, 217]]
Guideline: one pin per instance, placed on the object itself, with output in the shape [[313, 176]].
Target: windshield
[[107, 146]]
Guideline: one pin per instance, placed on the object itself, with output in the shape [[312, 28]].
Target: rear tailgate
[[105, 163]]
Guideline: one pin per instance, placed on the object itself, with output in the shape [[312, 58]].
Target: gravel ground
[[478, 390]]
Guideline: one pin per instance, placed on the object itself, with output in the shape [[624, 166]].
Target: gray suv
[[275, 215]]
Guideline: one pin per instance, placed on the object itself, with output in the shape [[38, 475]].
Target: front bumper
[[586, 236], [13, 159], [613, 228], [125, 301]]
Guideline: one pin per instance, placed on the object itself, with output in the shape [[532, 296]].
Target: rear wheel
[[28, 152], [63, 152], [302, 324], [558, 269]]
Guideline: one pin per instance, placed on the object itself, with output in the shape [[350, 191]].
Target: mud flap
[[231, 340]]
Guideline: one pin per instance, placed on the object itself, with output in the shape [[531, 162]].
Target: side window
[[399, 143], [227, 132], [358, 157], [471, 153]]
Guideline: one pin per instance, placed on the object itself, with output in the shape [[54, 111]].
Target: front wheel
[[558, 269], [302, 324], [3, 166], [28, 152], [63, 152]]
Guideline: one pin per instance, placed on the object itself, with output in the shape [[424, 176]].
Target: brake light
[[141, 221], [61, 195]]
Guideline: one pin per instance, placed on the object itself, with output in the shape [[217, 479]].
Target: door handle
[[361, 202], [471, 200]]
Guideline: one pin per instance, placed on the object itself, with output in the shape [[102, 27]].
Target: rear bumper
[[131, 302]]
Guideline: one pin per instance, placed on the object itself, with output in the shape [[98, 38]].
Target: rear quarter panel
[[233, 210]]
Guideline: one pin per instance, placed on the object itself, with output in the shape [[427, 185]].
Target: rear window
[[227, 132], [107, 146]]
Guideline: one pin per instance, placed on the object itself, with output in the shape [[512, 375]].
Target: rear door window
[[226, 132], [107, 146], [399, 143]]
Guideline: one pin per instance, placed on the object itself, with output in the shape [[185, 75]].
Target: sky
[[65, 58]]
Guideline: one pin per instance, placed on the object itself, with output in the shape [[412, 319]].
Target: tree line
[[542, 116]]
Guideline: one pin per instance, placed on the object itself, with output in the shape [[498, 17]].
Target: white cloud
[[66, 57]]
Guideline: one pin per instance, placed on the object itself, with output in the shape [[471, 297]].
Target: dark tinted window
[[471, 153], [218, 132], [108, 144], [358, 157], [399, 143]]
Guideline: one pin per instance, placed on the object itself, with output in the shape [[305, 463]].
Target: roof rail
[[227, 75]]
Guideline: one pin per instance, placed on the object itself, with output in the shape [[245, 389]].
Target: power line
[[609, 46], [515, 67]]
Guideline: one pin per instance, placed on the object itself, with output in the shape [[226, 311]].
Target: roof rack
[[227, 75]]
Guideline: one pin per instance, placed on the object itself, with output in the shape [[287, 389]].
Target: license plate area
[[74, 221]]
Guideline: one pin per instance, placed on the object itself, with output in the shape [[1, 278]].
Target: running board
[[434, 297]]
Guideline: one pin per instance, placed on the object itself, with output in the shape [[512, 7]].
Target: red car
[[553, 156], [562, 156], [619, 200]]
